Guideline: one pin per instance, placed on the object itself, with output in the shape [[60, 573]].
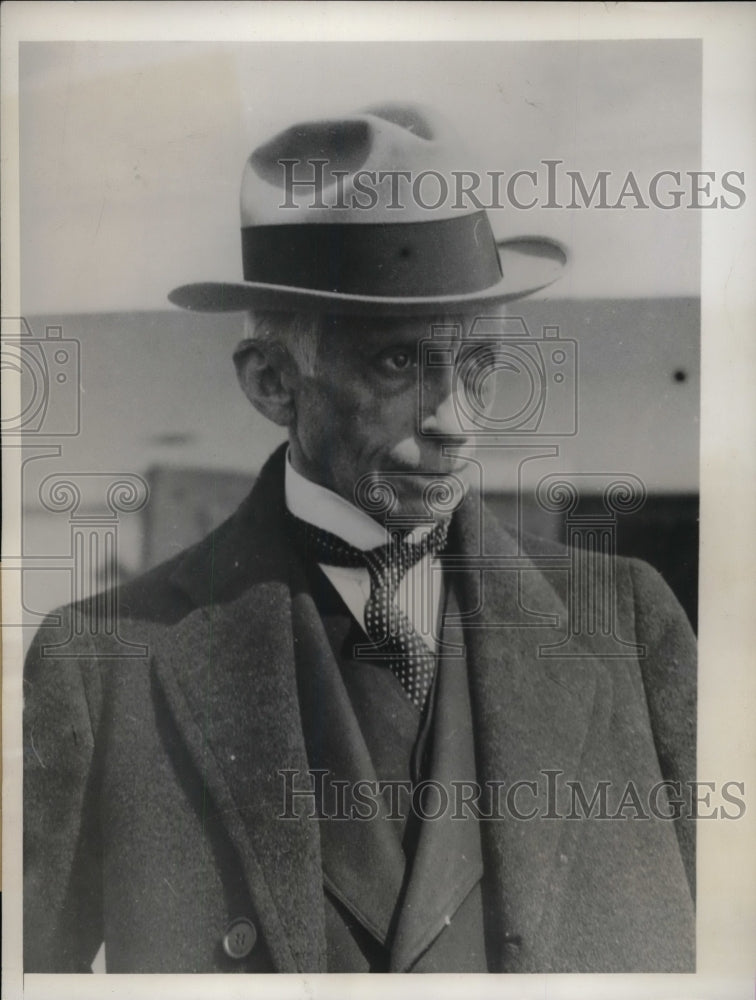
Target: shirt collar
[[327, 510], [331, 512]]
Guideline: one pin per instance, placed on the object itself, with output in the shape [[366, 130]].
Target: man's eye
[[397, 361]]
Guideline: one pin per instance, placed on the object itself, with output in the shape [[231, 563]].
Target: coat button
[[513, 943], [240, 938]]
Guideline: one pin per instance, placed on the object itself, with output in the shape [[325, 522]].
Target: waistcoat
[[401, 858]]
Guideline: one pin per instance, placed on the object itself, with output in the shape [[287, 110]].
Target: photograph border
[[726, 907]]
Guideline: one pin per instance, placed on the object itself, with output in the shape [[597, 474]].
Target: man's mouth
[[456, 463], [437, 470], [408, 456]]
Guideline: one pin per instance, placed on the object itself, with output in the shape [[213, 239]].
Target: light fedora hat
[[346, 215]]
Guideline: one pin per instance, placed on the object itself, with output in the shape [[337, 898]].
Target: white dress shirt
[[419, 593]]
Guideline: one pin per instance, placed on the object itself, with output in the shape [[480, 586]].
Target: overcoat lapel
[[363, 861], [229, 679], [529, 715], [449, 843]]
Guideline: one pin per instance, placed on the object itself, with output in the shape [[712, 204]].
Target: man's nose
[[440, 412]]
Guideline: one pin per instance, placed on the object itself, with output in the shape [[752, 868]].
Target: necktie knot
[[390, 630], [384, 562]]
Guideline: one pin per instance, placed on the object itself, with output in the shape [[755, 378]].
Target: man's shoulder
[[632, 577], [226, 560], [154, 591], [505, 535], [155, 595]]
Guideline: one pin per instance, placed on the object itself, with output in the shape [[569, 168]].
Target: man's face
[[372, 412]]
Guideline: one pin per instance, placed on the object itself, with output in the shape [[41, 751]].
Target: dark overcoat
[[153, 791]]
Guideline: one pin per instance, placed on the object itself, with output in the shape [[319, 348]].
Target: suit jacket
[[153, 757]]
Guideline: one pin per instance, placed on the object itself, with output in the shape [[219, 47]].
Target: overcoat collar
[[229, 676], [531, 715]]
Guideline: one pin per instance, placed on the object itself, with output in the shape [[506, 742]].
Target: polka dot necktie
[[387, 626]]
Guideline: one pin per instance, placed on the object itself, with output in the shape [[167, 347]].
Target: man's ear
[[267, 374]]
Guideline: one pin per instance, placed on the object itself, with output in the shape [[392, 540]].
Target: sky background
[[132, 153]]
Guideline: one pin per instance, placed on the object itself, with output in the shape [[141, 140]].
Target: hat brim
[[528, 264]]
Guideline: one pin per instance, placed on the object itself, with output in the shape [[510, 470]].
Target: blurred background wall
[[159, 398]]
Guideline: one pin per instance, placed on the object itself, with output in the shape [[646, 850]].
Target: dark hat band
[[442, 257]]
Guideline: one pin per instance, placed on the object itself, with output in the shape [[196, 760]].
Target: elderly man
[[345, 748]]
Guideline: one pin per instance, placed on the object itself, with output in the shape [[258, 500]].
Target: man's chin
[[419, 493]]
